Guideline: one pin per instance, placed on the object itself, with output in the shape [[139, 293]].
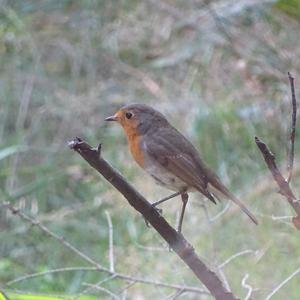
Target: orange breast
[[135, 148], [134, 140]]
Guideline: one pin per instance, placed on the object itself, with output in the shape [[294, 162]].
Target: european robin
[[163, 152]]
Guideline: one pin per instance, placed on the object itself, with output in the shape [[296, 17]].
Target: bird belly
[[165, 178]]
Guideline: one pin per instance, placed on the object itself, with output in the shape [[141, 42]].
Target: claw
[[159, 210]]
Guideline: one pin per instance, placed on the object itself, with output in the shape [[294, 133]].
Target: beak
[[112, 118]]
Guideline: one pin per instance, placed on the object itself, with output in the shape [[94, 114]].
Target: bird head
[[138, 118]]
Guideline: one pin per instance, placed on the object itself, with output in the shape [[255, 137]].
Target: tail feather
[[244, 209], [207, 194], [216, 183]]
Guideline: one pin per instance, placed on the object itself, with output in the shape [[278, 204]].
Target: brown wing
[[175, 153]]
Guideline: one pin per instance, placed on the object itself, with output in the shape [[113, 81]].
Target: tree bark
[[175, 240]]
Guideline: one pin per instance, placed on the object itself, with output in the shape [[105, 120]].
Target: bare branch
[[127, 287], [293, 129], [175, 240], [223, 276], [99, 288], [50, 233], [222, 212], [175, 295], [89, 288], [282, 284], [284, 187], [282, 183], [45, 273], [111, 243], [280, 219], [270, 161], [116, 275], [228, 260], [247, 286]]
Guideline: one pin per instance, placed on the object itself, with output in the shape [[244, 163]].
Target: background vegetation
[[217, 69]]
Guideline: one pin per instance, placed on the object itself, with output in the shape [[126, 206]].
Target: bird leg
[[165, 199], [161, 201], [184, 198]]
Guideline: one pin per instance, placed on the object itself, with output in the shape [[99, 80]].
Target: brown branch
[[175, 240], [284, 187], [293, 129]]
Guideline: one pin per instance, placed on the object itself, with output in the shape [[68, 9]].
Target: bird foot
[[159, 210]]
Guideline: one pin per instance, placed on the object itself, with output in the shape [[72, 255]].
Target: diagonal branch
[[175, 240], [282, 284], [284, 187]]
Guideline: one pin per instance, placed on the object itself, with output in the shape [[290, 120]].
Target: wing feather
[[181, 158], [177, 158]]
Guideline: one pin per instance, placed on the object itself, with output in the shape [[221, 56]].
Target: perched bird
[[163, 152]]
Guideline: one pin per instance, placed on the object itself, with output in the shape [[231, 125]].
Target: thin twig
[[279, 220], [282, 284], [50, 233], [228, 260], [281, 217], [98, 268], [271, 163], [293, 129], [48, 272], [149, 248], [111, 243], [224, 278], [99, 288], [247, 286], [89, 288], [127, 287], [218, 215], [175, 295]]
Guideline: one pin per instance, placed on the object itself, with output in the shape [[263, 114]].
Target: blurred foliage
[[36, 297], [291, 7], [218, 72]]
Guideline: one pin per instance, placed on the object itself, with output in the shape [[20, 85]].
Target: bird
[[169, 157]]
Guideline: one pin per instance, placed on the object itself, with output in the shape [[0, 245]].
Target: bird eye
[[128, 115]]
